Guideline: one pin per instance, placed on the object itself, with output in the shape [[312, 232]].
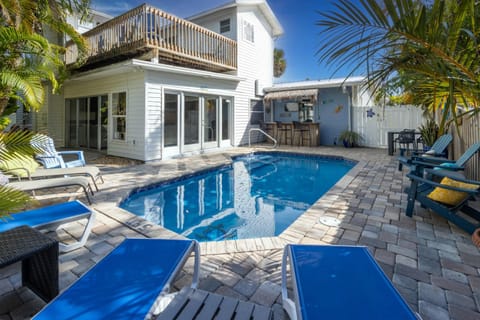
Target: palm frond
[[12, 200]]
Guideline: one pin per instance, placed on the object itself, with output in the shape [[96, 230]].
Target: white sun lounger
[[90, 171], [33, 185]]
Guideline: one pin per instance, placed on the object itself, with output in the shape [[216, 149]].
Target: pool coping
[[294, 233]]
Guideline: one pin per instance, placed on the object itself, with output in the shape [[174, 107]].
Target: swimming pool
[[257, 195]]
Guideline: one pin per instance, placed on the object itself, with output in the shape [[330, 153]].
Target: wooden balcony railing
[[153, 33]]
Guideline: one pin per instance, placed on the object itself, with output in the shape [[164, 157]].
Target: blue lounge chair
[[54, 216], [126, 283], [438, 149], [339, 282], [452, 206]]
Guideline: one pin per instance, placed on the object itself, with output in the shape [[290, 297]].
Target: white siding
[[56, 115], [255, 62], [133, 84], [212, 22], [153, 123]]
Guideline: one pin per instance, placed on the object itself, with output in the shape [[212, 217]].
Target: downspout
[[346, 91]]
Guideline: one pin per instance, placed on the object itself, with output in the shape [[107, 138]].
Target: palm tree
[[28, 59], [12, 145], [279, 62], [429, 48]]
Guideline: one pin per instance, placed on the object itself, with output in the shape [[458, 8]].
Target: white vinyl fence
[[373, 123]]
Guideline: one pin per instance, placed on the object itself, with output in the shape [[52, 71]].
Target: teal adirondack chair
[[453, 207], [438, 149], [442, 163]]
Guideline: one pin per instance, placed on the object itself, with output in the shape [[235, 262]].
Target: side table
[[39, 256]]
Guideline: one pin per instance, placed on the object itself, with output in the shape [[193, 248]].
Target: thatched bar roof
[[310, 94]]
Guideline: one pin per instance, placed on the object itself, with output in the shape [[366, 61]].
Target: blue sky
[[300, 40]]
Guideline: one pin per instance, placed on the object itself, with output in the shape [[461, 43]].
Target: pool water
[[258, 195]]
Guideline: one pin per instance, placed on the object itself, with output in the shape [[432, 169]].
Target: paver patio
[[432, 263]]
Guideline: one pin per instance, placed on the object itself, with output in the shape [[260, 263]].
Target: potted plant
[[350, 138], [429, 133]]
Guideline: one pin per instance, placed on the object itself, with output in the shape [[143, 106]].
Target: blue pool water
[[258, 195]]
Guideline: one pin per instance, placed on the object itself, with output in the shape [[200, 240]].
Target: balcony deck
[[149, 33]]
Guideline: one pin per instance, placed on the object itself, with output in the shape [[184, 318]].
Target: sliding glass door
[[195, 122], [87, 122]]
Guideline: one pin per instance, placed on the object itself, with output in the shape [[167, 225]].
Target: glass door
[[87, 122], [191, 123], [103, 122], [93, 123], [210, 123], [82, 123], [171, 124], [225, 116]]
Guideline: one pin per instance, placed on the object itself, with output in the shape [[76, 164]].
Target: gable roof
[[262, 5]]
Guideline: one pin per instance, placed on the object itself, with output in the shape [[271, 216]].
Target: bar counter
[[289, 136]]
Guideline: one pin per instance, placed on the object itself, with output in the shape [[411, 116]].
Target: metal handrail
[[266, 134]]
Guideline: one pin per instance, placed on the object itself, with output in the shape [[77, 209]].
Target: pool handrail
[[261, 131]]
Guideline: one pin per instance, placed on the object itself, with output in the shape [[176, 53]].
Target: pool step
[[260, 162]]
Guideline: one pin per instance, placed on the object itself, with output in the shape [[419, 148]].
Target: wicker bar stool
[[284, 132], [303, 133]]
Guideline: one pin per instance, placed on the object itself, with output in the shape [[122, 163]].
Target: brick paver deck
[[432, 263]]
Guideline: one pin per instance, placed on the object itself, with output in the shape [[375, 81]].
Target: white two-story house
[[156, 86]]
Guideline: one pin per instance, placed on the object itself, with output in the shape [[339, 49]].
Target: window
[[248, 31], [256, 112], [225, 26], [119, 115]]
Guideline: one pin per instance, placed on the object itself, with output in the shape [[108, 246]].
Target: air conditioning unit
[[258, 88]]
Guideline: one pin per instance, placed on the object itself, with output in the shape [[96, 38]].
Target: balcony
[[149, 33]]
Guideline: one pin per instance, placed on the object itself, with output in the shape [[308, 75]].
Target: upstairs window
[[225, 26], [248, 31]]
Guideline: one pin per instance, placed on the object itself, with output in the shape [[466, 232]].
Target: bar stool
[[284, 132], [302, 132]]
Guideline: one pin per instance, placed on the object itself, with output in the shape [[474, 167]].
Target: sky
[[300, 41]]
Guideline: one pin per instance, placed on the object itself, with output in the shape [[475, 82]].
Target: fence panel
[[373, 123], [470, 133]]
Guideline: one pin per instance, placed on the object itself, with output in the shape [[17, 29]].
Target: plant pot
[[476, 237], [347, 144]]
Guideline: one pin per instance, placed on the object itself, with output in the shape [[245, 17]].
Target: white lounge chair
[[33, 185], [27, 167]]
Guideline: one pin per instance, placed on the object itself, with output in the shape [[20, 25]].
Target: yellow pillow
[[451, 197]]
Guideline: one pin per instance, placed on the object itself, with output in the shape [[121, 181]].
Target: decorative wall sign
[[370, 113]]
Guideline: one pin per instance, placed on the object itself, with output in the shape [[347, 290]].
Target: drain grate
[[329, 221]]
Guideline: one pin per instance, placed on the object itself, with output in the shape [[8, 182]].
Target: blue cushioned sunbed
[[53, 216], [339, 282], [126, 283]]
